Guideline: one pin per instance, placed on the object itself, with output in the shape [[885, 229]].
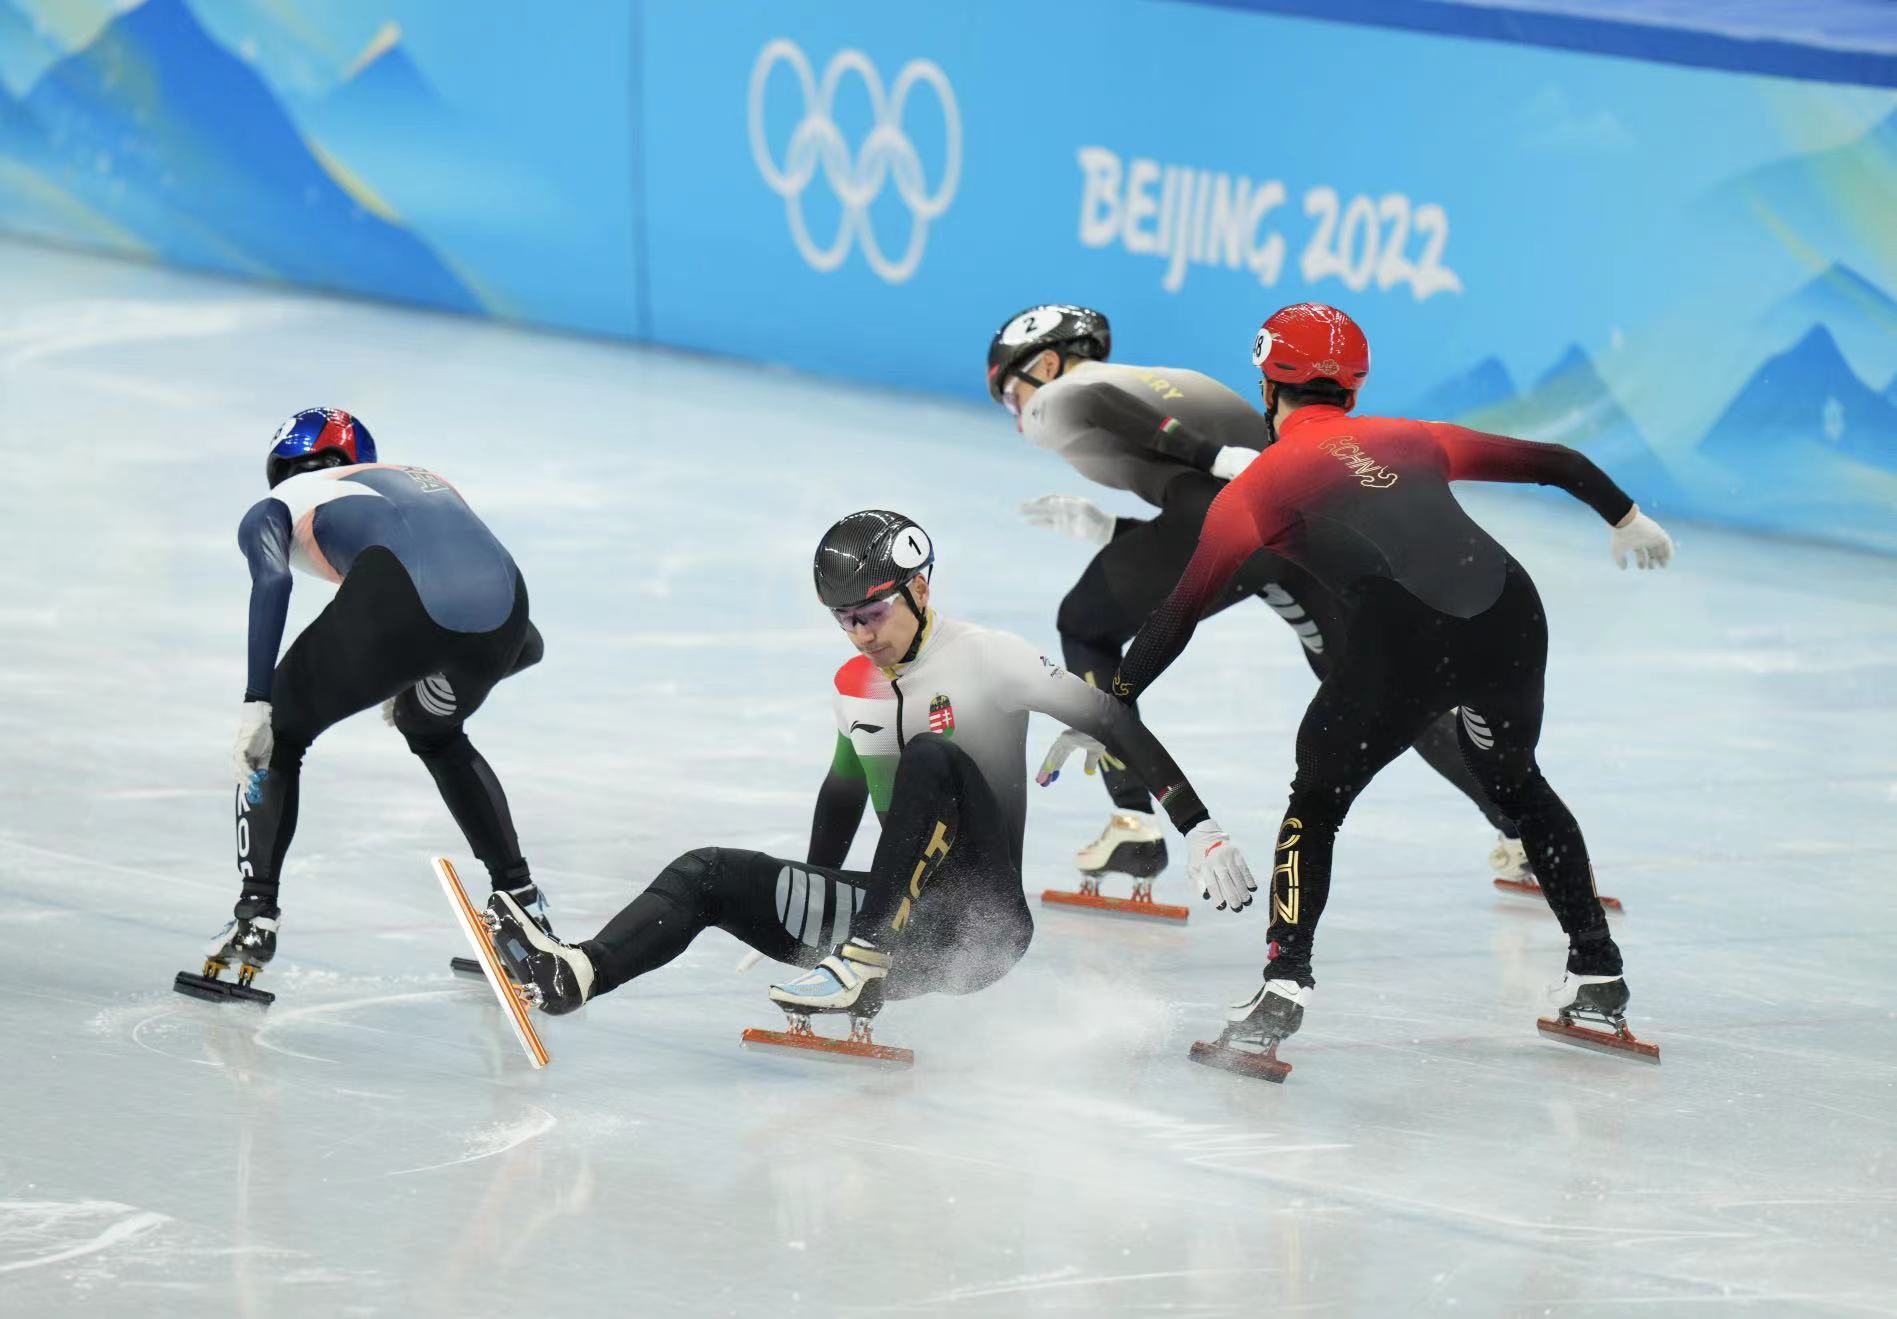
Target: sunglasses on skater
[[870, 614]]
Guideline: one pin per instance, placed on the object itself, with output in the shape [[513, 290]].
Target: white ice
[[375, 1144]]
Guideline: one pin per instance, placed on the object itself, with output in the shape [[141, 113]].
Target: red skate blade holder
[[1137, 908], [1266, 1066], [1620, 1041], [804, 1040], [1530, 888]]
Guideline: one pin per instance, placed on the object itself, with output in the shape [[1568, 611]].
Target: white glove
[[1071, 516], [1065, 745], [1218, 867], [254, 741], [388, 709], [1231, 461], [1644, 538]]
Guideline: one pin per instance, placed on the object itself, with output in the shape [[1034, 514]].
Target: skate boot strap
[[861, 954]]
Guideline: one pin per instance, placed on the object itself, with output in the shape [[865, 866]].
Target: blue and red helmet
[[316, 438]]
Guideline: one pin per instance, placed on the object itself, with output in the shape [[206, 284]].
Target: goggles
[[871, 614]]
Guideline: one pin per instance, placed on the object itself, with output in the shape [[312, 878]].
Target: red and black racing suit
[[1438, 616]]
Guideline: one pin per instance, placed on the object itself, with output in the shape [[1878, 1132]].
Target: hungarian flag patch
[[941, 716]]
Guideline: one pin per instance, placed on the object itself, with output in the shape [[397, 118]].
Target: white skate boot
[[1133, 845]]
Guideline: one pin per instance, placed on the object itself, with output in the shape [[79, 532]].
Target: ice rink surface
[[375, 1144]]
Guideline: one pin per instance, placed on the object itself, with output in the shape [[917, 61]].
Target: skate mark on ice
[[137, 872], [26, 1225], [1059, 1280], [281, 1019], [138, 1038], [499, 1138]]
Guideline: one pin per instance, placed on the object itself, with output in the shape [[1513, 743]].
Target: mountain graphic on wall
[[1485, 385], [384, 81], [1571, 404], [25, 48], [1860, 316], [1837, 202], [179, 141], [1806, 396]]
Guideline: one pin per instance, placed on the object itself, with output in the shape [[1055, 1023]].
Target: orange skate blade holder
[[859, 1048], [1266, 1066], [1089, 898], [506, 993], [1532, 888], [1620, 1041]]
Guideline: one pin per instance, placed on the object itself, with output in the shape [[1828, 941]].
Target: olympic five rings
[[857, 182]]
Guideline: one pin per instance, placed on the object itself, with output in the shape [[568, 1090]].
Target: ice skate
[[1254, 1028], [553, 977], [531, 901], [479, 927], [1514, 873], [1131, 845], [1601, 998], [850, 981], [247, 943]]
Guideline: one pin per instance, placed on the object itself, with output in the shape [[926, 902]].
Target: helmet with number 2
[[1309, 341], [1074, 331]]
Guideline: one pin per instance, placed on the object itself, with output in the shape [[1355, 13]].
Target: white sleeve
[[1027, 680]]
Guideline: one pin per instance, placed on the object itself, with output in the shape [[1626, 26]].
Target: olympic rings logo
[[857, 180]]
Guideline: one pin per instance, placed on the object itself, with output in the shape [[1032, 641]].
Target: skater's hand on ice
[[1218, 867], [1645, 539], [1231, 461], [388, 710], [1071, 516], [1065, 745], [252, 751]]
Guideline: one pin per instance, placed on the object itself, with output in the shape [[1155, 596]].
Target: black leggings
[[373, 641], [1132, 575], [943, 895], [1406, 665]]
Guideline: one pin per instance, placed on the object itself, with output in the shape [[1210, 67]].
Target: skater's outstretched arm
[[1214, 861], [839, 810], [1102, 414], [264, 537], [1478, 456], [1241, 521]]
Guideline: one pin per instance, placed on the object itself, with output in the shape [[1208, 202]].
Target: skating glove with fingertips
[[1639, 535], [1218, 867]]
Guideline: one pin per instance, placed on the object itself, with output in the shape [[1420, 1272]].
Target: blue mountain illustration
[[1808, 395], [384, 86], [1836, 202], [1861, 316], [1570, 404], [385, 80], [25, 48], [1484, 385], [180, 142]]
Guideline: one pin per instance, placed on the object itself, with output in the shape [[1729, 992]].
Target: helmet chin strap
[[922, 622]]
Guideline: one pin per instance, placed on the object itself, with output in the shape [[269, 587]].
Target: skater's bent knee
[[689, 875]]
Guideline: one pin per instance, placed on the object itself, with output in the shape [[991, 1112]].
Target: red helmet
[[1310, 341]]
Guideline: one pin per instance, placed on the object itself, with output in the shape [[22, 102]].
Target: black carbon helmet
[[867, 555], [1074, 331]]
